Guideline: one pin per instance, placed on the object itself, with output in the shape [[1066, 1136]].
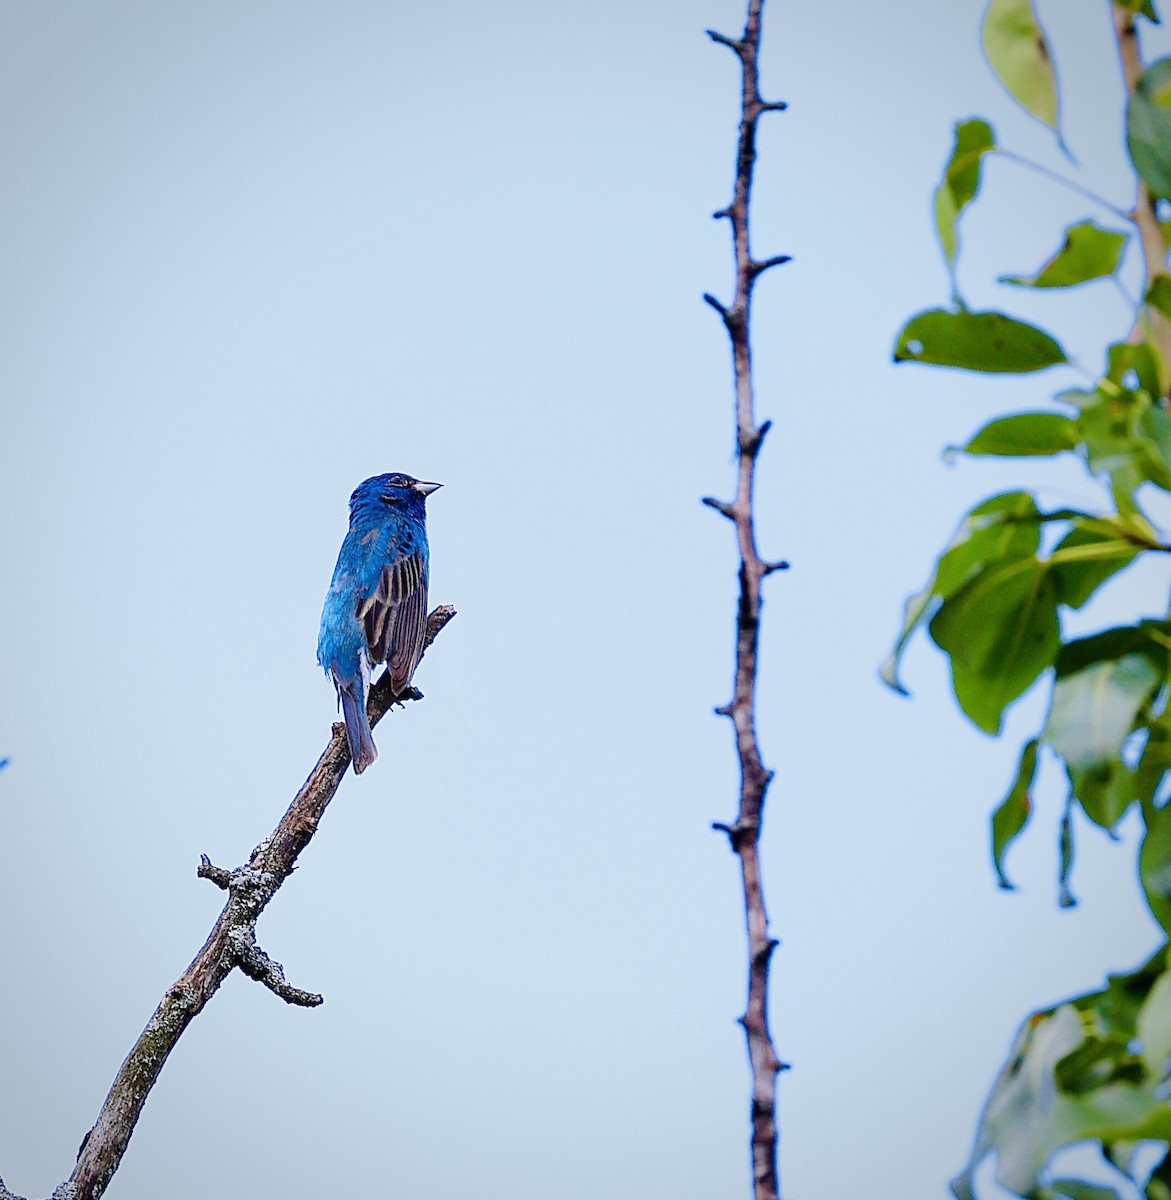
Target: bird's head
[[391, 491]]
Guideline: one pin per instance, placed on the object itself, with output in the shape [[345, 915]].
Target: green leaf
[[1145, 8], [1127, 438], [1026, 434], [1154, 864], [1114, 1010], [960, 183], [1018, 52], [1014, 811], [1159, 1182], [1089, 252], [1148, 127], [976, 341], [915, 610], [1097, 1061], [1001, 631], [1065, 848], [1091, 553], [1006, 526], [1125, 357], [1094, 709], [1028, 1117], [1079, 1189], [1155, 760], [1155, 426], [1103, 683], [1154, 1029], [1104, 791], [1159, 294]]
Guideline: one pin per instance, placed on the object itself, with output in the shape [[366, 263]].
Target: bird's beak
[[425, 489]]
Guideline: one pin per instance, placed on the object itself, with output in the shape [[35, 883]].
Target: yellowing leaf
[[1018, 52]]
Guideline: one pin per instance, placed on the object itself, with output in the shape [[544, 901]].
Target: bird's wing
[[394, 618]]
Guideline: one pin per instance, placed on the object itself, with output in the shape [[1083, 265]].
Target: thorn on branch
[[725, 509], [253, 961], [777, 260], [724, 710], [779, 565], [765, 952], [708, 298], [217, 875], [773, 106], [723, 212], [736, 833], [732, 43], [750, 441]]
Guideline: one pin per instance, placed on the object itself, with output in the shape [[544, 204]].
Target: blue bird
[[376, 607]]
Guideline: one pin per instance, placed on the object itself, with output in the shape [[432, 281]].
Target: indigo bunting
[[376, 607]]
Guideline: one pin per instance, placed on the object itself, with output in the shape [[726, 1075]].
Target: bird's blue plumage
[[376, 607]]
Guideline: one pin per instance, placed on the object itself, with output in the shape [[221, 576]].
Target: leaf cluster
[[1098, 1066]]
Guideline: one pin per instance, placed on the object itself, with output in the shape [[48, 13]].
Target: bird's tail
[[362, 748]]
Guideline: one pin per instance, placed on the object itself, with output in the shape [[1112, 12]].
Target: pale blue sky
[[254, 252]]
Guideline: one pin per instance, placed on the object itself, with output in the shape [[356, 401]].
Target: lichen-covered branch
[[744, 833], [5, 1194], [231, 944]]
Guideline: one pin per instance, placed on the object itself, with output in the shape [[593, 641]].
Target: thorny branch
[[744, 835], [231, 944]]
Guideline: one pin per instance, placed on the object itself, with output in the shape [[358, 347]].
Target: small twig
[[777, 260], [731, 43], [221, 878], [744, 832], [708, 298], [720, 506], [230, 945], [253, 961]]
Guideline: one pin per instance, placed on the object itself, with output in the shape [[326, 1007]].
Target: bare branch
[[744, 832], [230, 945]]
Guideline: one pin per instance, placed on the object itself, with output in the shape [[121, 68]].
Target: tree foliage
[[1097, 1067]]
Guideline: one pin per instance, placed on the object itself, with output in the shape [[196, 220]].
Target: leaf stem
[[1065, 181]]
